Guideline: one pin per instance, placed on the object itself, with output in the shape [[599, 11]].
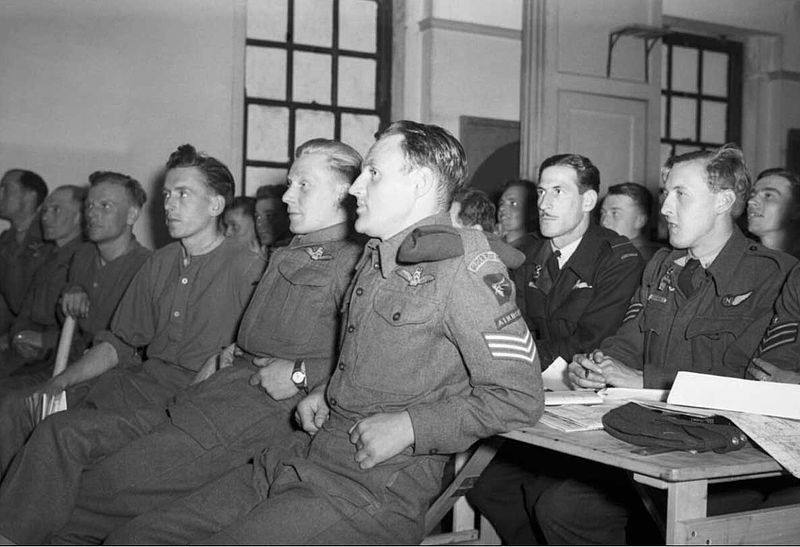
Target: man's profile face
[[239, 226], [689, 205], [511, 212], [61, 216], [270, 217], [384, 191], [769, 206], [11, 196], [189, 203], [561, 205], [621, 214], [108, 212], [314, 194]]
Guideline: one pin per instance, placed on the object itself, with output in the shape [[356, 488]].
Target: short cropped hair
[[588, 174], [433, 147], [726, 170], [794, 184], [476, 208], [132, 186], [640, 195], [245, 204], [77, 193], [218, 177], [342, 158], [30, 182], [271, 191]]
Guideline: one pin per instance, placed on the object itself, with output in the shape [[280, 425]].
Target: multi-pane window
[[314, 68], [701, 90]]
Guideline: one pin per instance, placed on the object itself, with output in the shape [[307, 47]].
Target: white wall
[[93, 84]]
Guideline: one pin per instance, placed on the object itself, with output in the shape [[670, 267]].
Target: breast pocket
[[398, 351], [303, 304]]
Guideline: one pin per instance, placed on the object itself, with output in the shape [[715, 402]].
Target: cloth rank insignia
[[537, 271], [778, 335], [666, 280], [511, 346], [416, 278], [731, 300], [481, 259], [633, 310], [581, 285], [317, 253], [500, 285]]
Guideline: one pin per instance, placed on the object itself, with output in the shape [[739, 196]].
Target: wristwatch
[[299, 375]]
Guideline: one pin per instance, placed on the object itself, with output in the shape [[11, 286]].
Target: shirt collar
[[336, 232], [566, 251], [387, 250], [723, 269]]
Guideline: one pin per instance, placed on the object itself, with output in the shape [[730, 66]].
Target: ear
[[133, 215], [217, 205], [725, 200], [424, 181], [641, 221], [589, 199]]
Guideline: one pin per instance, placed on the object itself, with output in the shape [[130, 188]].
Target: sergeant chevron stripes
[[510, 346], [777, 336], [633, 311]]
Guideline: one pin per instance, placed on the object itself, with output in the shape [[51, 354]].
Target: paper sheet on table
[[577, 397], [634, 394], [779, 437], [723, 393], [575, 417], [555, 376]]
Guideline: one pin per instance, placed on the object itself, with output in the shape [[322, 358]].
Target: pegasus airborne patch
[[500, 285]]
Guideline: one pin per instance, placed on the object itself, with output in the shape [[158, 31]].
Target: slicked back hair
[[342, 159], [135, 191], [270, 191], [476, 208], [726, 170], [245, 204], [433, 147], [588, 174], [640, 195], [30, 182], [218, 177]]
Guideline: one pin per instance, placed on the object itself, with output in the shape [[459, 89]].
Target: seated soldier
[[240, 222], [34, 334], [702, 307], [21, 245], [430, 362], [472, 209], [272, 222], [773, 210], [286, 345], [574, 288], [182, 306], [516, 214], [626, 210], [101, 269]]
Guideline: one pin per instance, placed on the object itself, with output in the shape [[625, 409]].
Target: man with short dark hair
[[240, 222], [34, 334], [574, 288], [516, 213], [183, 304], [272, 221], [773, 210], [22, 249], [626, 210], [434, 356], [472, 209]]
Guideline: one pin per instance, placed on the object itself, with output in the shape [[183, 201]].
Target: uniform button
[[434, 451], [396, 316], [332, 401], [95, 284], [376, 266], [351, 328], [342, 366], [185, 280], [176, 314], [359, 291]]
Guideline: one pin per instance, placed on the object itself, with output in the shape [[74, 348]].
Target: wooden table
[[685, 477]]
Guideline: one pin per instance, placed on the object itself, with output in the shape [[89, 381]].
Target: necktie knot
[[685, 277], [552, 265]]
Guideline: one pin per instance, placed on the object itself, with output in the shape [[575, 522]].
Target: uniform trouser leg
[[499, 495], [16, 424], [39, 490]]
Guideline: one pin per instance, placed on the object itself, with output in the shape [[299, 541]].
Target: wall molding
[[789, 75], [469, 28]]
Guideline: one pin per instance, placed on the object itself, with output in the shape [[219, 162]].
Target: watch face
[[297, 376]]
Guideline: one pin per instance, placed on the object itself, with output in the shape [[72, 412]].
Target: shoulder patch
[[477, 263], [500, 286], [507, 318]]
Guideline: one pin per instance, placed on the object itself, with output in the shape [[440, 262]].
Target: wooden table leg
[[685, 501]]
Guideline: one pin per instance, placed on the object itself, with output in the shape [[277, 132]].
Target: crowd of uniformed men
[[300, 366]]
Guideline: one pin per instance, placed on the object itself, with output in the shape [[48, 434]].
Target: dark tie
[[552, 265], [685, 277]]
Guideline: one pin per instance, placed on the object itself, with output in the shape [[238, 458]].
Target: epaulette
[[622, 246], [508, 255], [785, 261], [430, 243]]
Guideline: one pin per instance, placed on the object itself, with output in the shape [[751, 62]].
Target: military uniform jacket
[[716, 330], [780, 344], [18, 262], [588, 300]]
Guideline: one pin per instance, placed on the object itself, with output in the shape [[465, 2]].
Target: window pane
[[312, 78], [267, 133], [359, 131], [713, 123], [684, 69], [682, 122], [664, 65], [715, 73], [312, 124], [267, 20], [313, 22], [259, 176], [358, 25], [265, 73], [663, 117], [357, 82]]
